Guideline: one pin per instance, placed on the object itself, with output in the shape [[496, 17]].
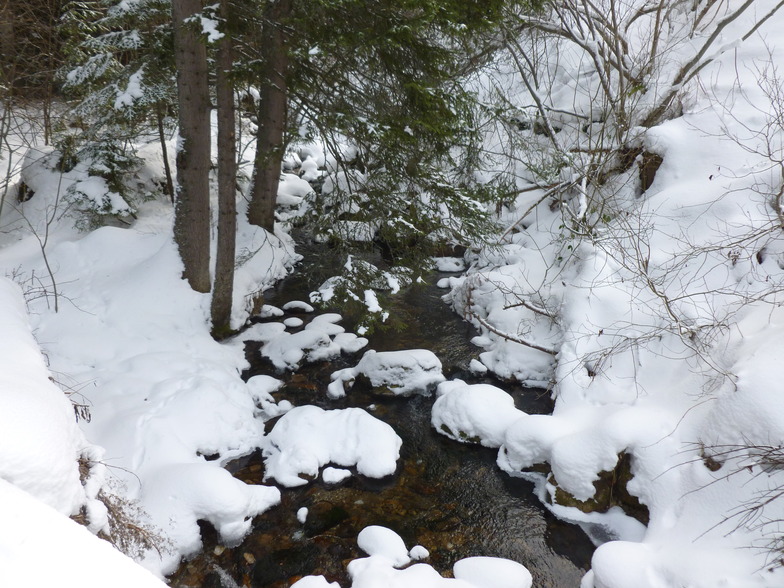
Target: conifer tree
[[385, 74], [120, 71], [386, 77], [223, 285], [192, 206], [382, 75]]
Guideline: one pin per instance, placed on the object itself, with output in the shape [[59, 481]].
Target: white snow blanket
[[40, 441], [43, 548]]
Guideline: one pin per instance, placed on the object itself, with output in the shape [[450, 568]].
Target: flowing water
[[449, 497]]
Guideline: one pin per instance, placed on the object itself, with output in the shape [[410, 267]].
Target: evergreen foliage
[[379, 82], [120, 74], [387, 78]]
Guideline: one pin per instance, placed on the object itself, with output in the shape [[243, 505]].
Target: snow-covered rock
[[307, 438], [492, 572], [387, 566], [478, 413], [398, 373]]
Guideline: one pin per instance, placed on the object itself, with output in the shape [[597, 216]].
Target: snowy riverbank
[[656, 322]]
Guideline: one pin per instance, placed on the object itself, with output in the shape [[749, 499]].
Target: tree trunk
[[272, 117], [192, 208], [159, 116], [223, 287]]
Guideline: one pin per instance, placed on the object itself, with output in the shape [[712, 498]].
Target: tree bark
[[192, 208], [223, 287], [159, 115], [273, 105]]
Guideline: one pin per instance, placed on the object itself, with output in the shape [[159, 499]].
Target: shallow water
[[449, 497]]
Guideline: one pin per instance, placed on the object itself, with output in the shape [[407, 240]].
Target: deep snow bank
[[663, 316], [132, 340], [40, 450], [40, 442]]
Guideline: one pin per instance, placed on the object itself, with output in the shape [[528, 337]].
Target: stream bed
[[449, 497]]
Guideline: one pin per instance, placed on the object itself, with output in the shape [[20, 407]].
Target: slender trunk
[[223, 287], [159, 114], [5, 145], [192, 208], [272, 118]]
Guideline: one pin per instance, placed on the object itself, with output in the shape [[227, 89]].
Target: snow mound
[[315, 582], [388, 554], [400, 373], [292, 190], [293, 322], [478, 413], [187, 493], [298, 306], [449, 264], [261, 388], [288, 350], [492, 572], [380, 541], [321, 339], [70, 552], [307, 438], [335, 475], [40, 442]]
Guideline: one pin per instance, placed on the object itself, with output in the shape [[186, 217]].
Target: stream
[[447, 496]]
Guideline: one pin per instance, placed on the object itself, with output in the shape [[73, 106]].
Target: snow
[[418, 552], [33, 532], [187, 493], [479, 412], [321, 339], [293, 322], [289, 350], [383, 542], [449, 264], [130, 341], [334, 475], [492, 572], [666, 322], [663, 316], [402, 373], [307, 438], [315, 582], [293, 190], [132, 92], [40, 441], [298, 305], [387, 566]]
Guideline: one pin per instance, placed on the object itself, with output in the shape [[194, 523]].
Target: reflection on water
[[449, 497]]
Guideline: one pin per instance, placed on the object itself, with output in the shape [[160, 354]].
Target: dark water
[[449, 497]]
